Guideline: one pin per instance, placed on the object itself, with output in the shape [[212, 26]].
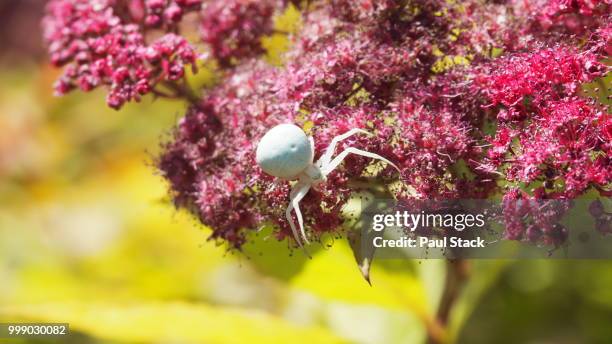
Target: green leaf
[[272, 257], [358, 231], [484, 275], [170, 322], [333, 275], [363, 257], [432, 273]]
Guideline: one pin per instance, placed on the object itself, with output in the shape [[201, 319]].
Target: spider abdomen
[[284, 151]]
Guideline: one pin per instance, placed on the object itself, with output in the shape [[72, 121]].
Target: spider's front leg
[[326, 169], [327, 156], [298, 192]]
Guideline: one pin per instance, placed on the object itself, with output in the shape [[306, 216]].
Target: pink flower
[[470, 99], [101, 49], [234, 28]]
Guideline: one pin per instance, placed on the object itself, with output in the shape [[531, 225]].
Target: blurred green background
[[89, 237]]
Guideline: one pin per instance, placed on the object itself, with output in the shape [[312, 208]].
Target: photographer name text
[[425, 242]]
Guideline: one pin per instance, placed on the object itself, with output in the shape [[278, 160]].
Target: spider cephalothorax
[[286, 152]]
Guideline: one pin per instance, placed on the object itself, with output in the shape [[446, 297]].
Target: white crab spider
[[286, 152]]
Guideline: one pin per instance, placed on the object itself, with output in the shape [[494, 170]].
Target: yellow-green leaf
[[170, 322]]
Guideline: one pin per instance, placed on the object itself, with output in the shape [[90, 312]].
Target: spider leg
[[326, 169], [299, 191], [312, 148], [327, 156]]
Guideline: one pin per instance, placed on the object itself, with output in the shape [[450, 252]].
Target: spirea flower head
[[546, 131], [469, 99], [234, 28], [100, 45], [167, 13]]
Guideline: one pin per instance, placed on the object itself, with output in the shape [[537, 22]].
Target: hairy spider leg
[[327, 156], [312, 148], [337, 160], [298, 192]]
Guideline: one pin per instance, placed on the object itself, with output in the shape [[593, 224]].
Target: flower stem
[[457, 273]]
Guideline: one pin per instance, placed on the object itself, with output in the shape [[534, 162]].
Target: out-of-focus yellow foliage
[[172, 322], [447, 62], [286, 24], [89, 236], [334, 275], [87, 232]]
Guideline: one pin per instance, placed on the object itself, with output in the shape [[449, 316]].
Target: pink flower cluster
[[234, 28], [98, 48], [424, 76], [546, 131], [166, 13], [535, 220]]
